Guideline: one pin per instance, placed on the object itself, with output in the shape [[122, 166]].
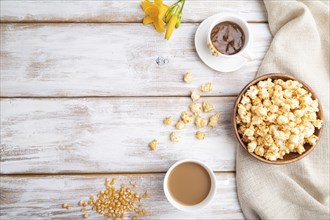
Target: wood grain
[[41, 197], [93, 135], [120, 11], [66, 60]]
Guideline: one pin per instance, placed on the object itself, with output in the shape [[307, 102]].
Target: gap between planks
[[110, 11], [28, 175], [110, 97], [103, 22]]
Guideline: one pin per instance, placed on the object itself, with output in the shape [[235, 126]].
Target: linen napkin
[[301, 48]]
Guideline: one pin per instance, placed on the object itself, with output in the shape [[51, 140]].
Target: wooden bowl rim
[[254, 82]]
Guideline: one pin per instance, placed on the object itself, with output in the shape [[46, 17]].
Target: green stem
[[175, 9], [184, 1], [175, 4]]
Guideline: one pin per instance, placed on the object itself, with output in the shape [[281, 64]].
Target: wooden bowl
[[288, 158]]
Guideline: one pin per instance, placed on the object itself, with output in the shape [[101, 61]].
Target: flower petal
[[161, 22], [158, 27], [147, 20], [152, 11], [162, 11], [145, 4], [159, 2]]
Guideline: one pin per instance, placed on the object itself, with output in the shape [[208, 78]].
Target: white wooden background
[[82, 96]]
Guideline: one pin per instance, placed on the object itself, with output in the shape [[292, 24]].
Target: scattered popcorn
[[207, 107], [200, 135], [195, 96], [276, 117], [174, 138], [195, 108], [187, 77], [207, 87], [200, 122], [167, 120], [213, 121], [85, 215], [186, 117], [180, 125], [153, 144]]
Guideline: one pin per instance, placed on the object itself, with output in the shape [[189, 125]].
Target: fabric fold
[[300, 48]]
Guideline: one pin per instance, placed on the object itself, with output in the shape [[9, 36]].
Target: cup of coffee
[[229, 36], [189, 185]]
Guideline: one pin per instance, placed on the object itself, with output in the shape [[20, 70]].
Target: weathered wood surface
[[61, 60], [41, 197], [61, 57], [93, 135], [120, 11]]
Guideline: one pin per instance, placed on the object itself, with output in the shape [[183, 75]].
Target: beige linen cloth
[[300, 47]]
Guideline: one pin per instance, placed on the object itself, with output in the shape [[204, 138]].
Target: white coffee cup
[[200, 205], [247, 33]]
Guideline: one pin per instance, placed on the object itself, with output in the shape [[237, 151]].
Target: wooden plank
[[41, 197], [62, 60], [88, 135], [112, 11]]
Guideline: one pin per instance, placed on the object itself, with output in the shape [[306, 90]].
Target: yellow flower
[[155, 12], [170, 26]]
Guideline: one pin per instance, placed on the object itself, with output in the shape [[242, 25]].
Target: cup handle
[[248, 55]]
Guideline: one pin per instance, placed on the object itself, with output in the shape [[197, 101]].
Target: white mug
[[200, 205], [247, 33]]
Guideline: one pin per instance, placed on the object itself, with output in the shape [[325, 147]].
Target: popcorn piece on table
[[186, 117], [180, 125], [174, 137], [207, 87], [200, 135], [194, 96], [153, 145], [195, 108], [187, 77], [167, 120], [214, 119], [200, 122], [207, 106]]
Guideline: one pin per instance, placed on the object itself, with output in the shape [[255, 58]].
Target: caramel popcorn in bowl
[[277, 117]]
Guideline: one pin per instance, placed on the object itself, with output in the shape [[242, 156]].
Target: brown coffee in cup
[[228, 38], [189, 183]]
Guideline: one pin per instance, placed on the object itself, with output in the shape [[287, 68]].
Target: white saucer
[[216, 63]]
